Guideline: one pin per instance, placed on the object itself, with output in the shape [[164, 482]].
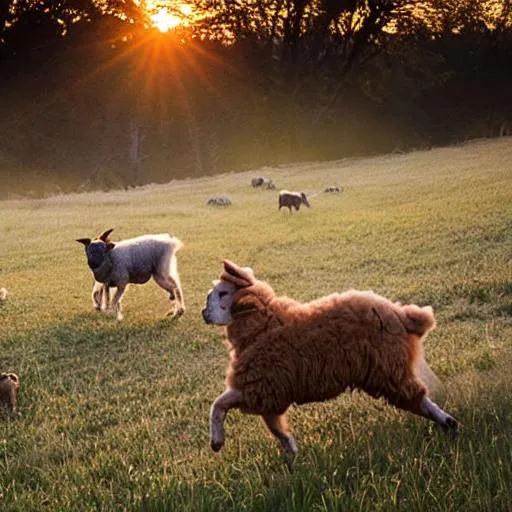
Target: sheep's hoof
[[175, 313], [289, 458], [216, 446], [451, 424]]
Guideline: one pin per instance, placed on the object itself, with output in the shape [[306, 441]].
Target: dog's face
[[218, 303]]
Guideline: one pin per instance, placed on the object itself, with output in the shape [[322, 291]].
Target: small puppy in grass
[[283, 351], [9, 385]]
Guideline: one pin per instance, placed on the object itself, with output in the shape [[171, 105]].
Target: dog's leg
[[433, 412], [277, 425], [227, 400]]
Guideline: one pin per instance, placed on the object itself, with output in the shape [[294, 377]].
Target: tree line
[[94, 96]]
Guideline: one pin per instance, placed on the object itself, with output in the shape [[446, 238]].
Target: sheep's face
[[96, 252], [218, 303], [97, 249]]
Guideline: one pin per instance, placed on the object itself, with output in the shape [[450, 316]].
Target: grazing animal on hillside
[[292, 199], [261, 181], [219, 201], [283, 352], [9, 385], [257, 181], [333, 189], [3, 294], [135, 260]]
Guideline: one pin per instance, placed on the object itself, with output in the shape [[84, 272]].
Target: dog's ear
[[236, 275], [85, 241]]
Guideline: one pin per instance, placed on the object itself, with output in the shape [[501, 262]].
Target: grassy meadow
[[115, 415]]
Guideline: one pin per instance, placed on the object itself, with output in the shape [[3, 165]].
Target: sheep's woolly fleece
[[287, 351]]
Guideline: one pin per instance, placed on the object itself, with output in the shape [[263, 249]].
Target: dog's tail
[[418, 320]]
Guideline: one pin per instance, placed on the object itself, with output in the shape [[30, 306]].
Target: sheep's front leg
[[277, 425], [106, 297], [227, 400], [116, 302], [97, 294]]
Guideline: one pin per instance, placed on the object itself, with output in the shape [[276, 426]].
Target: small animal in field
[[219, 201], [3, 294], [257, 181], [261, 181], [292, 200], [9, 385], [135, 260], [283, 352], [333, 189]]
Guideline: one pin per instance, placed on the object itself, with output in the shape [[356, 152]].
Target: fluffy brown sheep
[[9, 385], [283, 352]]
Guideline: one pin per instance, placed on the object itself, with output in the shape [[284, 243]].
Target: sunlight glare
[[164, 20], [186, 9]]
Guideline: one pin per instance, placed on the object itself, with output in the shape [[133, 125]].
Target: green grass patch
[[115, 415]]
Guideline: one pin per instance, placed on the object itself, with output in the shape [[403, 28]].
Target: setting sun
[[166, 19]]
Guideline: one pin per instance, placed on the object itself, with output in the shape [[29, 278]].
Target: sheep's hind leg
[[413, 398], [433, 412], [178, 295], [173, 288], [276, 423], [220, 407]]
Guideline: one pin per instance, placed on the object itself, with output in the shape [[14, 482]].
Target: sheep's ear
[[110, 245], [104, 236], [237, 275], [85, 241], [245, 306]]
